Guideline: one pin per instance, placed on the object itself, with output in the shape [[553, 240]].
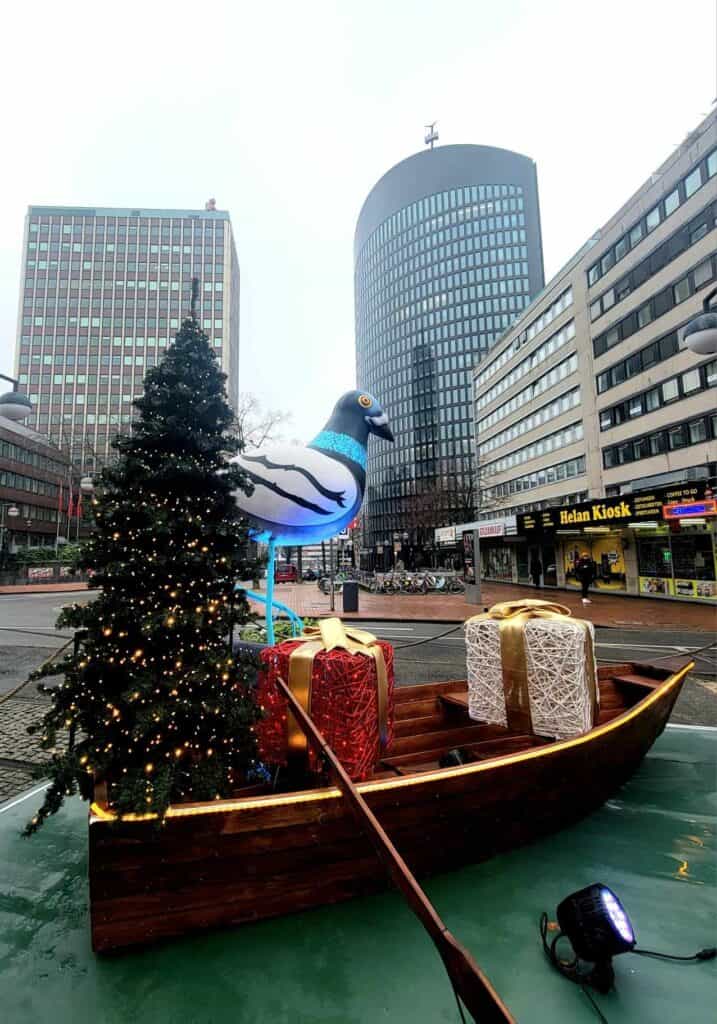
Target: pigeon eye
[[365, 401]]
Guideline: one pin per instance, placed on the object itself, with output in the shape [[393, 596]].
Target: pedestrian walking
[[585, 572], [536, 570]]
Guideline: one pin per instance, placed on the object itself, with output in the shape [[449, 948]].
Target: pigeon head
[[358, 414]]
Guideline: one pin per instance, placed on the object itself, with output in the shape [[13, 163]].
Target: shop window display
[[678, 564], [606, 552]]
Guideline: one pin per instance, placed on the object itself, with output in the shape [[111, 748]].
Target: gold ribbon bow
[[330, 634], [512, 617]]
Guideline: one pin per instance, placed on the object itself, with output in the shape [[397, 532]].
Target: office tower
[[447, 252], [103, 292]]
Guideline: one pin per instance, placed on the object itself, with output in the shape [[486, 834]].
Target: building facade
[[35, 479], [447, 252], [103, 292], [592, 407]]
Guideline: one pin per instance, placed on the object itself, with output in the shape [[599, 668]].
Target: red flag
[[69, 503], [78, 505]]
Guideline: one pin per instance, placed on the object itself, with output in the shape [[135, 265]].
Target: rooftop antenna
[[195, 296], [431, 135]]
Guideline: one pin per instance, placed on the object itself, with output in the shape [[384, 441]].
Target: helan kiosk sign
[[602, 513]]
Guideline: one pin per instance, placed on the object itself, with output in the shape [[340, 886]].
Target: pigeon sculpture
[[303, 495]]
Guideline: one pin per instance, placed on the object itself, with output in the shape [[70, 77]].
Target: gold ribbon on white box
[[512, 617]]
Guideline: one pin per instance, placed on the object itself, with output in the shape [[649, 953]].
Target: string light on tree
[[152, 706]]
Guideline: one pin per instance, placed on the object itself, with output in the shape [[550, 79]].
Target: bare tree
[[256, 425]]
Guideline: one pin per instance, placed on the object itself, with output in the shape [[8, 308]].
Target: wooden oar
[[469, 982]]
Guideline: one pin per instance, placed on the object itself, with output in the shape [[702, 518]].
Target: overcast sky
[[289, 112]]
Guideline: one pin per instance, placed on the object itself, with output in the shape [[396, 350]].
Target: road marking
[[21, 799]]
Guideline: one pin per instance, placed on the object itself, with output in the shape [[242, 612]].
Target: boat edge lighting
[[99, 814]]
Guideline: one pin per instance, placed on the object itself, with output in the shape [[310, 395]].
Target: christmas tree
[[153, 703]]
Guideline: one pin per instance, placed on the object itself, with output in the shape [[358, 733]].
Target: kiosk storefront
[[659, 543]]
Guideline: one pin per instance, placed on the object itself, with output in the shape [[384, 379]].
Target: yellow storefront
[[659, 544]]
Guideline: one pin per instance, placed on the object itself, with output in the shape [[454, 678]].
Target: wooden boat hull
[[232, 861]]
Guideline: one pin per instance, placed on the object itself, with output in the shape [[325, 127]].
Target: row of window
[[562, 302], [670, 439], [537, 387], [698, 379], [527, 365], [438, 203], [533, 506], [46, 220], [542, 446], [544, 414], [34, 512], [502, 235], [16, 453], [670, 249], [682, 191], [656, 306], [656, 352], [540, 478], [26, 483]]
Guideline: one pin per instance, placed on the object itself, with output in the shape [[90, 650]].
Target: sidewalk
[[42, 588], [606, 609]]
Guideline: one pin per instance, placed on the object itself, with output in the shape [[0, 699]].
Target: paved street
[[28, 637]]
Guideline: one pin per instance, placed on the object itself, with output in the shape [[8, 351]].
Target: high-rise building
[[595, 424], [103, 292], [447, 252]]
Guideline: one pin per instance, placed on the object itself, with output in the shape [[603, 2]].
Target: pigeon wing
[[295, 486]]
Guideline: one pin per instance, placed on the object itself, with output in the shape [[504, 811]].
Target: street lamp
[[700, 334], [13, 405], [12, 511]]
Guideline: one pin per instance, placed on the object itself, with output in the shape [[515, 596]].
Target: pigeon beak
[[378, 425]]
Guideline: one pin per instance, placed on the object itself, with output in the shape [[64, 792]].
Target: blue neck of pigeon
[[346, 434], [341, 446]]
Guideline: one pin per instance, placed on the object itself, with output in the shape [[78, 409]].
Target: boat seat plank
[[635, 680]]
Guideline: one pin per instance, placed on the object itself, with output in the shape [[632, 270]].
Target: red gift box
[[342, 698]]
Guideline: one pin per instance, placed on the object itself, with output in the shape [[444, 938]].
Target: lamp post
[[12, 512], [700, 334]]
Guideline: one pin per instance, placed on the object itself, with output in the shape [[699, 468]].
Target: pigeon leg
[[270, 593]]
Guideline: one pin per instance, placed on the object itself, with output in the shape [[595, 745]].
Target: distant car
[[285, 572]]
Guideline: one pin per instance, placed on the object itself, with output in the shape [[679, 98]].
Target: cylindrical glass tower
[[447, 252]]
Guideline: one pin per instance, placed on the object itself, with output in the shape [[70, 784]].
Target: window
[[698, 431], [644, 315], [652, 400], [634, 407], [672, 202], [693, 182], [636, 234], [677, 437], [670, 390], [703, 273], [653, 218], [608, 299], [657, 444], [605, 420], [612, 337], [621, 248], [712, 164], [681, 290], [711, 370], [595, 310], [691, 381], [607, 261]]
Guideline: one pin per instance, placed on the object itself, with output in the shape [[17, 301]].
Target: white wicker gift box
[[531, 667]]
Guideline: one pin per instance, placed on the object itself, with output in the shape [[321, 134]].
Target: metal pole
[[270, 594], [332, 604]]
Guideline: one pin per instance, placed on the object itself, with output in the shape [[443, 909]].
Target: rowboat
[[265, 853]]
